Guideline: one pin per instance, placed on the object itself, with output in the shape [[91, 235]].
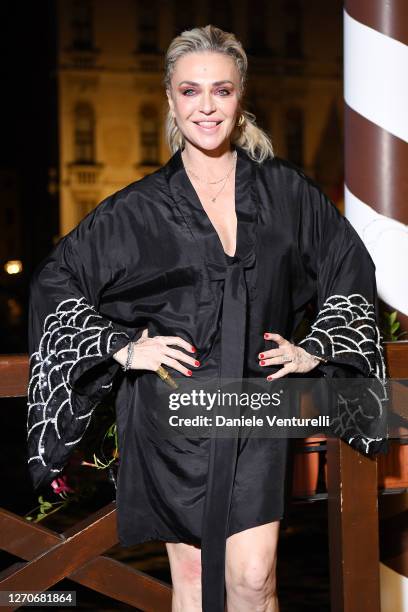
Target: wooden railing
[[353, 513], [77, 554]]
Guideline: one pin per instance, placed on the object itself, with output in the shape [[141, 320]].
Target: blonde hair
[[249, 136]]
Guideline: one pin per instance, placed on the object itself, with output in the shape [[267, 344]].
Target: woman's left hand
[[295, 358]]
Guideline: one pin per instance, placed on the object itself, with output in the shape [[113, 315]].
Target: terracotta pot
[[306, 466], [393, 467]]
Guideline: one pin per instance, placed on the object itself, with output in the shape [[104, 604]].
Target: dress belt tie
[[223, 451]]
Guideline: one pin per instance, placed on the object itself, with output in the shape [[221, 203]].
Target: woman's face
[[204, 98]]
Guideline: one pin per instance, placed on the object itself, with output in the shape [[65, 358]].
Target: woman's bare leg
[[185, 567], [250, 572]]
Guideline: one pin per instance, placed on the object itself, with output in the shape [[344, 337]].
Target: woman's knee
[[185, 564], [251, 562], [254, 576]]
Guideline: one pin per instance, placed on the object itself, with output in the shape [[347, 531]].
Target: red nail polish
[[189, 372], [269, 377], [261, 355], [193, 349], [266, 335], [197, 363], [262, 363]]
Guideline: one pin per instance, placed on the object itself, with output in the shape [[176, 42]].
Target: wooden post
[[353, 529]]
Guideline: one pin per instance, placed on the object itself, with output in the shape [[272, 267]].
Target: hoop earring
[[241, 120]]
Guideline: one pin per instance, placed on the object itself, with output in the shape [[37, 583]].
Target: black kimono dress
[[148, 256]]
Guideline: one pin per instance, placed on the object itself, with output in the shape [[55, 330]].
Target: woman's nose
[[207, 102]]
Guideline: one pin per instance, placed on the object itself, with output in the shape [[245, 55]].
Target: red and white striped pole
[[376, 139]]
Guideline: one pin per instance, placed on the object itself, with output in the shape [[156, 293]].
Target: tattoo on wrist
[[128, 361]]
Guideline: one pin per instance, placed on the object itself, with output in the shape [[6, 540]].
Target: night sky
[[29, 146]]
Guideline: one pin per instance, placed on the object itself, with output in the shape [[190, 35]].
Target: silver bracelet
[[322, 359], [126, 367]]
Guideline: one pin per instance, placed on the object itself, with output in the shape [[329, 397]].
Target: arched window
[[148, 24], [84, 135], [258, 27], [294, 135], [221, 14], [81, 24], [184, 16], [149, 135], [293, 35], [84, 207]]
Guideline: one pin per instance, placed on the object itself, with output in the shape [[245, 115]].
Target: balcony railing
[[78, 554], [84, 176]]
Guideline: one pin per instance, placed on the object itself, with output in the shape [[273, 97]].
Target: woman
[[203, 268]]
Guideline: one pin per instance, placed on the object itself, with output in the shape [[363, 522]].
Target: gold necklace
[[214, 198]]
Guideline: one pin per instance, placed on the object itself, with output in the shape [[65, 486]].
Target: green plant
[[98, 463], [390, 326], [108, 449], [44, 509]]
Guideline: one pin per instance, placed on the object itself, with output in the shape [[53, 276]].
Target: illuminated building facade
[[112, 105]]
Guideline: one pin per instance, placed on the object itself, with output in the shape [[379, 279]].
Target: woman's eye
[[227, 92]]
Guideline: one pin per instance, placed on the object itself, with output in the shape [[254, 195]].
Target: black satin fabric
[[209, 489], [148, 256]]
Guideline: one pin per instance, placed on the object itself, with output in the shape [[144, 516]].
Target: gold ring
[[162, 372], [166, 376]]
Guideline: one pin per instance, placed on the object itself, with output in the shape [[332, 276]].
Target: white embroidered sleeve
[[71, 347], [345, 330]]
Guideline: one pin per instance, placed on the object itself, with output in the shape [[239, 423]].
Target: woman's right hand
[[150, 353]]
